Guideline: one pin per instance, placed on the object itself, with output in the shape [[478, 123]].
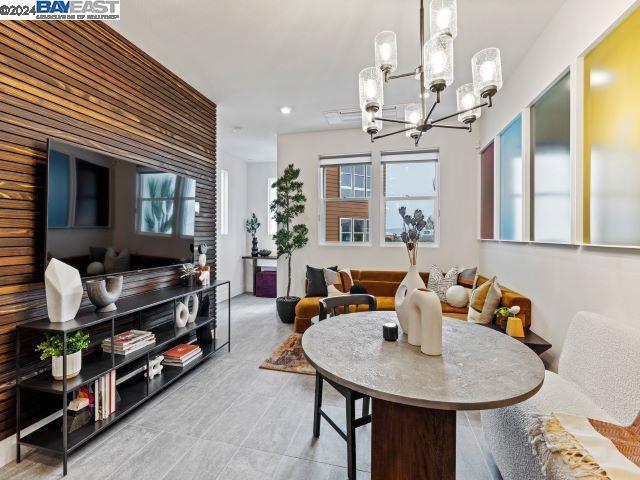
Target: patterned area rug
[[288, 357]]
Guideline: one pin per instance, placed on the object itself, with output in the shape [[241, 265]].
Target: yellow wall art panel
[[612, 137]]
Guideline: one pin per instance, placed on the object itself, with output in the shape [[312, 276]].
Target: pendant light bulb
[[486, 68], [443, 15], [468, 98], [370, 85], [386, 51]]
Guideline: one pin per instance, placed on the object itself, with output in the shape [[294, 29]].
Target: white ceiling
[[253, 56]]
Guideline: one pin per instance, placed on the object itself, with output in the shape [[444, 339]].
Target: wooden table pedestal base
[[412, 443]]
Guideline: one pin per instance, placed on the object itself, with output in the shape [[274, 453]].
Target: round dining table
[[415, 396]]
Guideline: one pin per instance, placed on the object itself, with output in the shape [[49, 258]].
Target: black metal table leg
[[351, 437], [317, 405]]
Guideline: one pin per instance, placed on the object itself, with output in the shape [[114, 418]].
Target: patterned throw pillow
[[116, 263], [338, 283], [440, 282], [484, 301]]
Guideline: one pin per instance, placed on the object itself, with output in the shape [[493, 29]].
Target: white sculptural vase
[[422, 312], [63, 289], [410, 282], [74, 365], [103, 293], [183, 314]]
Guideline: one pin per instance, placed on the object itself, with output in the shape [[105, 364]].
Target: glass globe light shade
[[386, 49], [371, 95], [438, 67], [443, 16], [486, 69], [413, 114], [468, 98], [369, 124]]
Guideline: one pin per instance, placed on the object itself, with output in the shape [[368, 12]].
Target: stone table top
[[479, 367]]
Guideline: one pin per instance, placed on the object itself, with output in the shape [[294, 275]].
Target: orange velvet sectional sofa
[[383, 285]]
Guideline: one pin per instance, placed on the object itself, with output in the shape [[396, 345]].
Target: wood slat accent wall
[[82, 82]]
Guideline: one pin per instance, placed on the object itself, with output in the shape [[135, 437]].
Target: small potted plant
[[289, 203], [188, 273], [52, 347], [251, 226], [502, 315]]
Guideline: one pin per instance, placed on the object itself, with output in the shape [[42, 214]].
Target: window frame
[[436, 198], [272, 226], [224, 202], [365, 159]]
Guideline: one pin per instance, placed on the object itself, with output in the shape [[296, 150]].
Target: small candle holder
[[390, 332]]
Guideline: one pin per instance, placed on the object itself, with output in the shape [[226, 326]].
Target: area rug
[[288, 357]]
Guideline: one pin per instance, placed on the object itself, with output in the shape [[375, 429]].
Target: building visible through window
[[346, 190]]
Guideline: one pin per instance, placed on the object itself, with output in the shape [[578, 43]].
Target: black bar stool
[[337, 305]]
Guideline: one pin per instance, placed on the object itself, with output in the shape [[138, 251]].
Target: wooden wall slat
[[84, 83]]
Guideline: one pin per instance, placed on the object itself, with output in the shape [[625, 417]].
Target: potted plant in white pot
[[52, 347], [288, 204]]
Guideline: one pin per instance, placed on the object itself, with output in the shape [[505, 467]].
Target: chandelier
[[435, 73]]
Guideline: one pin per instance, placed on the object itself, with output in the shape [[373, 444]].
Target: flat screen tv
[[108, 215]]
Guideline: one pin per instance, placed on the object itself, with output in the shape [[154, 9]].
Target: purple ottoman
[[266, 283]]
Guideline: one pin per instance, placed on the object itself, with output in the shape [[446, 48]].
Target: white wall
[[457, 202], [232, 247], [560, 280]]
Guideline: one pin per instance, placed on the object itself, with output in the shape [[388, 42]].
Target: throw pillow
[[316, 284], [484, 301], [97, 254], [358, 288], [116, 263], [338, 283], [440, 282], [457, 296], [468, 277]]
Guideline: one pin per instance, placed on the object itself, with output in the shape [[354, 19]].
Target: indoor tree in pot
[[288, 204], [251, 226], [52, 347]]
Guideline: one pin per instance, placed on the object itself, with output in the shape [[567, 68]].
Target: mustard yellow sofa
[[383, 285]]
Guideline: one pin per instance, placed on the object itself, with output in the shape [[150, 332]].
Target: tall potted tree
[[288, 204]]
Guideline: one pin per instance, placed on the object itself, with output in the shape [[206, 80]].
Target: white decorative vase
[[183, 314], [430, 309], [63, 289], [410, 282], [74, 364]]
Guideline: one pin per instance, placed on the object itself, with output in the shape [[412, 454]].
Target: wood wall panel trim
[[84, 84]]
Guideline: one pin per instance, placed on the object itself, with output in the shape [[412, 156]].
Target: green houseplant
[[288, 204], [51, 347], [251, 226]]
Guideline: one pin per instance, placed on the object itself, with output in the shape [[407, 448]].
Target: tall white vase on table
[[412, 281]]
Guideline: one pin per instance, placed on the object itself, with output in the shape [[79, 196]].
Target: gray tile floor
[[230, 420]]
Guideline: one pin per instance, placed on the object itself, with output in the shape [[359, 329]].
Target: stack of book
[[104, 391], [182, 355], [129, 341]]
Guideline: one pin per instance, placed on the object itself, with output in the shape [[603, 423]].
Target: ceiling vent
[[350, 116]]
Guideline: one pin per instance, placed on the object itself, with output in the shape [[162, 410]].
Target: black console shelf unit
[[53, 435]]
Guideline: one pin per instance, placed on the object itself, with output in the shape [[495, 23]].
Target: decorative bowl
[[264, 253]]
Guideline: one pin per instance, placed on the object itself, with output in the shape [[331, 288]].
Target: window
[[224, 202], [410, 180], [551, 165], [354, 230], [345, 194], [272, 226], [511, 181], [486, 192]]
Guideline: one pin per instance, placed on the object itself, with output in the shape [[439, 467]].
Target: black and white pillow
[[440, 282]]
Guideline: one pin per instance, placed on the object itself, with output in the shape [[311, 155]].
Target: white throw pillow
[[458, 296], [440, 282], [95, 268]]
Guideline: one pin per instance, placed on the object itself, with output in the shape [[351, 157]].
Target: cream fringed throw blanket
[[591, 448]]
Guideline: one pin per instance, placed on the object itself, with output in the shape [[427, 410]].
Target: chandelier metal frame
[[427, 122]]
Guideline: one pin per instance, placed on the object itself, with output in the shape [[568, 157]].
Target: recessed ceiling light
[[285, 110], [236, 129]]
